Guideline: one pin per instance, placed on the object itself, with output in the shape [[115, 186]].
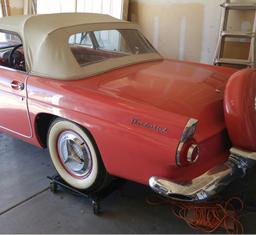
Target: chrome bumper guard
[[207, 185]]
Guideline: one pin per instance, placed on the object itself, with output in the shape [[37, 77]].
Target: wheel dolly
[[56, 181]]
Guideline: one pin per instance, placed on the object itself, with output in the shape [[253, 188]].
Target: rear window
[[97, 46]]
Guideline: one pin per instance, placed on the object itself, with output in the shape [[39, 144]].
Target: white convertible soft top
[[46, 49]]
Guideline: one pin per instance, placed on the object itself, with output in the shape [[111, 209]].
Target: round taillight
[[188, 153], [193, 153]]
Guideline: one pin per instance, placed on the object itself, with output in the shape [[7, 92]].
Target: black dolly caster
[[96, 198], [53, 187], [96, 207]]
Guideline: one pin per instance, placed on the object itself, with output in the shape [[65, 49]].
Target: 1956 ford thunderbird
[[94, 91]]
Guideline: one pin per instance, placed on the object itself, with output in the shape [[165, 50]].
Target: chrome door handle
[[16, 85]]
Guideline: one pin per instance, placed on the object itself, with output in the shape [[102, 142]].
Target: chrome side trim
[[187, 133], [209, 183], [191, 123]]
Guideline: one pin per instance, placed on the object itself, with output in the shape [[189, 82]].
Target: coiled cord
[[207, 216]]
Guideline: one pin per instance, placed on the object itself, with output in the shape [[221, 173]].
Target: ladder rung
[[237, 34], [237, 6], [233, 61]]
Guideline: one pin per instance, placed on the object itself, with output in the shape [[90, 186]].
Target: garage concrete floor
[[28, 206]]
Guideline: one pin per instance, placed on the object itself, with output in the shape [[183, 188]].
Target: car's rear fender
[[125, 150]]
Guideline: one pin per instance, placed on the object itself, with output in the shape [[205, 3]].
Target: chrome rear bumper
[[208, 184]]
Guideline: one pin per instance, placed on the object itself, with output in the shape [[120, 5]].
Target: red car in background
[[94, 91]]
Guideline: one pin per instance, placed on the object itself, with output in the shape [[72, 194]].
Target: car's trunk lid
[[188, 89]]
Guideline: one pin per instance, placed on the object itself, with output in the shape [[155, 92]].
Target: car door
[[13, 102], [13, 98]]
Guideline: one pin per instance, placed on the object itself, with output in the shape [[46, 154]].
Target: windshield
[[97, 46]]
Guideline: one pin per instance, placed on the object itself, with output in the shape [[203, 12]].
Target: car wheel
[[75, 156]]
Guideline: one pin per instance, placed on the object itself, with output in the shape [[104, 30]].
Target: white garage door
[[115, 8]]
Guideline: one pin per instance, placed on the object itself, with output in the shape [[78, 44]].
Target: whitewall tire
[[75, 156]]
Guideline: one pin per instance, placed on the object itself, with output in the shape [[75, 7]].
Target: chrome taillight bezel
[[194, 148], [187, 134]]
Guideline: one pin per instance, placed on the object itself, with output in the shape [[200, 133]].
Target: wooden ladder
[[224, 33]]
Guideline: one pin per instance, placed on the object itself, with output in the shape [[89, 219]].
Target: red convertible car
[[94, 91]]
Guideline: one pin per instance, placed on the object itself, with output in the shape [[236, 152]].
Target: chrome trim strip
[[180, 146], [191, 123], [208, 184]]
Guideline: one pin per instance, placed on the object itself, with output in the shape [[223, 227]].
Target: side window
[[11, 51], [8, 39]]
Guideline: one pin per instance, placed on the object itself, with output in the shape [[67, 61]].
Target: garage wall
[[184, 29], [16, 7]]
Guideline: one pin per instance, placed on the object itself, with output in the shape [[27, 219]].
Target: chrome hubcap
[[74, 154]]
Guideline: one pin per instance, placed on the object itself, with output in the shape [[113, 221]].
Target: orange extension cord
[[207, 216]]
